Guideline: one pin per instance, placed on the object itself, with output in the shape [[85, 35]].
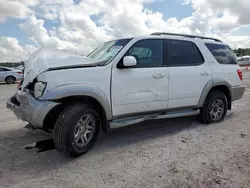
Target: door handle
[[204, 73], [158, 75]]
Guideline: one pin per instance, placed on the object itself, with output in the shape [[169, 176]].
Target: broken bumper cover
[[237, 92], [29, 109]]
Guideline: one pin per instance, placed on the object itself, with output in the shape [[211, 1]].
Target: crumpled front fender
[[69, 90]]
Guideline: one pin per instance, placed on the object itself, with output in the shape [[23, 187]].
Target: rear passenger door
[[188, 73]]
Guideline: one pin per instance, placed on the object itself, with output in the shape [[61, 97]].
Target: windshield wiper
[[101, 63]]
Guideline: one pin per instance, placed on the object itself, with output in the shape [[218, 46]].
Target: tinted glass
[[183, 53], [148, 53], [222, 53]]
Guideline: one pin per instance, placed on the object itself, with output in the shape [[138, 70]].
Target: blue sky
[[170, 8]]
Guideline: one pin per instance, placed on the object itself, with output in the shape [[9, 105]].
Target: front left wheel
[[76, 129]]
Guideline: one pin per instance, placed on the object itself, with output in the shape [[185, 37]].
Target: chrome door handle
[[204, 73], [158, 75]]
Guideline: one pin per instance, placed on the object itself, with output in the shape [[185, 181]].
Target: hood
[[47, 59]]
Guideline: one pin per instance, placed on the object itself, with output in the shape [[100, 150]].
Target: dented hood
[[47, 59]]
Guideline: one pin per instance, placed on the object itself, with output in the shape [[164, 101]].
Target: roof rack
[[184, 35]]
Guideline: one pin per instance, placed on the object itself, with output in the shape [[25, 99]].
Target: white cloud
[[233, 13], [59, 38], [51, 8], [11, 51], [238, 41], [16, 8]]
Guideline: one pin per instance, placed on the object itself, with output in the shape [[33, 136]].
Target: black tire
[[64, 130], [205, 115], [10, 80]]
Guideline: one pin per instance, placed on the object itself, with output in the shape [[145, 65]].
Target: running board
[[129, 121]]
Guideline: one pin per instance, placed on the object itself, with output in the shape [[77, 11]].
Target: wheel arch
[[219, 85], [66, 95]]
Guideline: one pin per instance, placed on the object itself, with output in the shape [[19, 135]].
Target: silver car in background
[[9, 75]]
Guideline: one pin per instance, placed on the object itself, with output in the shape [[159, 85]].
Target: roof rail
[[185, 35]]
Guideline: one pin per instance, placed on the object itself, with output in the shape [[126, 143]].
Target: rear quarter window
[[222, 53], [4, 69]]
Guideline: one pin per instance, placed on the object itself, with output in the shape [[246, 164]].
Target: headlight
[[39, 89]]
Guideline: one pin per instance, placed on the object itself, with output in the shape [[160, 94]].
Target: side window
[[1, 70], [222, 53], [148, 53], [183, 53]]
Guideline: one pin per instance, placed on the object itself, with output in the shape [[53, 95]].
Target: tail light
[[19, 73], [240, 74]]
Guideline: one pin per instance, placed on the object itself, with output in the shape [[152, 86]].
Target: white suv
[[126, 81]]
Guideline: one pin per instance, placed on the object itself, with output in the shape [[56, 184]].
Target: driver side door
[[144, 87]]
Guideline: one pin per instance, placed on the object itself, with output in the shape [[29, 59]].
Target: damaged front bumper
[[29, 109]]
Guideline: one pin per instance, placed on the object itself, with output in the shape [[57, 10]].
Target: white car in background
[[244, 60], [9, 75]]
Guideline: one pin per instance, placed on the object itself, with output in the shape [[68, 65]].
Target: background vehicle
[[244, 60], [126, 81], [9, 75]]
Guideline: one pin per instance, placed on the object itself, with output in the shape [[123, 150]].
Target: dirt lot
[[167, 153]]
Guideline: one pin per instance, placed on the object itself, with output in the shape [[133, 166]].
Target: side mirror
[[129, 61]]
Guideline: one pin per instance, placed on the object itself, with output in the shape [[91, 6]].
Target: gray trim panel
[[237, 92], [162, 111], [210, 84]]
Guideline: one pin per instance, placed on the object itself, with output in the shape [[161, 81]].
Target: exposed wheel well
[[224, 89], [52, 116]]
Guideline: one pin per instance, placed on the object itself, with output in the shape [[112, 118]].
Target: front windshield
[[108, 50]]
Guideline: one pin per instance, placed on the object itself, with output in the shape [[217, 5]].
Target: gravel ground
[[167, 153]]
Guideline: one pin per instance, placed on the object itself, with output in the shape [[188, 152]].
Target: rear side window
[[183, 53], [222, 53], [3, 69]]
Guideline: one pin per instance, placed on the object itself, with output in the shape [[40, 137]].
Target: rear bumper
[[29, 109], [237, 92]]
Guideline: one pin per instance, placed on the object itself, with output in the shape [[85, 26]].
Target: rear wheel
[[10, 80], [215, 108], [76, 129]]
